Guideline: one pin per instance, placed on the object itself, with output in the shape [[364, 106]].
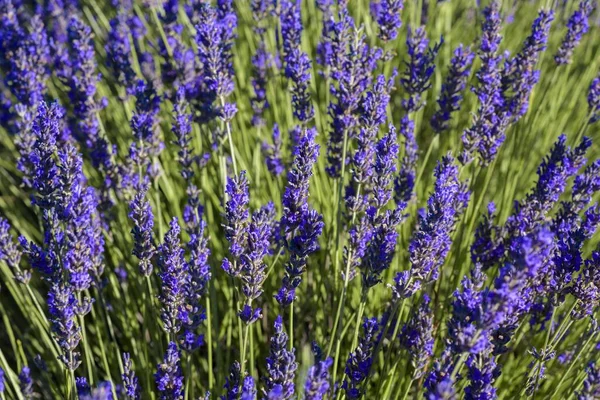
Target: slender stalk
[[211, 377], [188, 376], [229, 139], [86, 349], [291, 333], [432, 144]]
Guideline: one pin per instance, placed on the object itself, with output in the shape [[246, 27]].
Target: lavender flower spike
[[360, 360], [591, 385], [486, 133], [175, 278], [593, 99], [404, 183], [317, 383], [419, 69], [233, 384], [387, 14], [297, 70], [236, 217], [576, 28], [182, 128], [272, 153], [451, 93], [261, 61], [300, 226], [26, 383], [130, 381], [248, 389], [519, 75], [214, 39], [386, 154], [79, 73], [291, 26], [62, 306], [431, 241], [281, 363], [417, 337], [253, 268], [140, 213], [10, 253], [118, 51], [169, 378]]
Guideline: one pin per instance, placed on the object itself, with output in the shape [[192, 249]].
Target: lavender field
[[298, 199]]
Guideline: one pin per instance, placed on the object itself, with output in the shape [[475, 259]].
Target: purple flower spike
[[519, 75], [386, 154], [262, 61], [236, 215], [62, 306], [387, 14], [431, 241], [168, 377], [380, 249], [488, 246], [118, 51], [452, 89], [360, 360], [404, 183], [297, 70], [482, 372], [300, 226], [233, 384], [281, 363], [143, 220], [591, 384], [352, 65], [175, 279], [27, 58], [439, 383], [417, 337], [2, 384], [419, 68], [576, 28], [26, 383], [291, 26], [272, 153], [585, 288], [11, 254], [486, 133], [248, 389], [144, 125], [249, 315], [78, 71], [252, 273], [404, 285], [215, 32], [553, 173], [593, 99], [130, 380], [182, 128], [317, 383]]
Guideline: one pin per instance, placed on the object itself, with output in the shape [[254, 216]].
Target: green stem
[[361, 310], [432, 144], [211, 377], [291, 333], [571, 365]]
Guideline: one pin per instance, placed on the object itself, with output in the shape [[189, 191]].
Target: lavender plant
[[204, 199]]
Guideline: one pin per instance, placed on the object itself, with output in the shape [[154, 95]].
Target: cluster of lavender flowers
[[171, 229]]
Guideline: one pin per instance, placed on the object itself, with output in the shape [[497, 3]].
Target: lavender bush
[[299, 200]]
